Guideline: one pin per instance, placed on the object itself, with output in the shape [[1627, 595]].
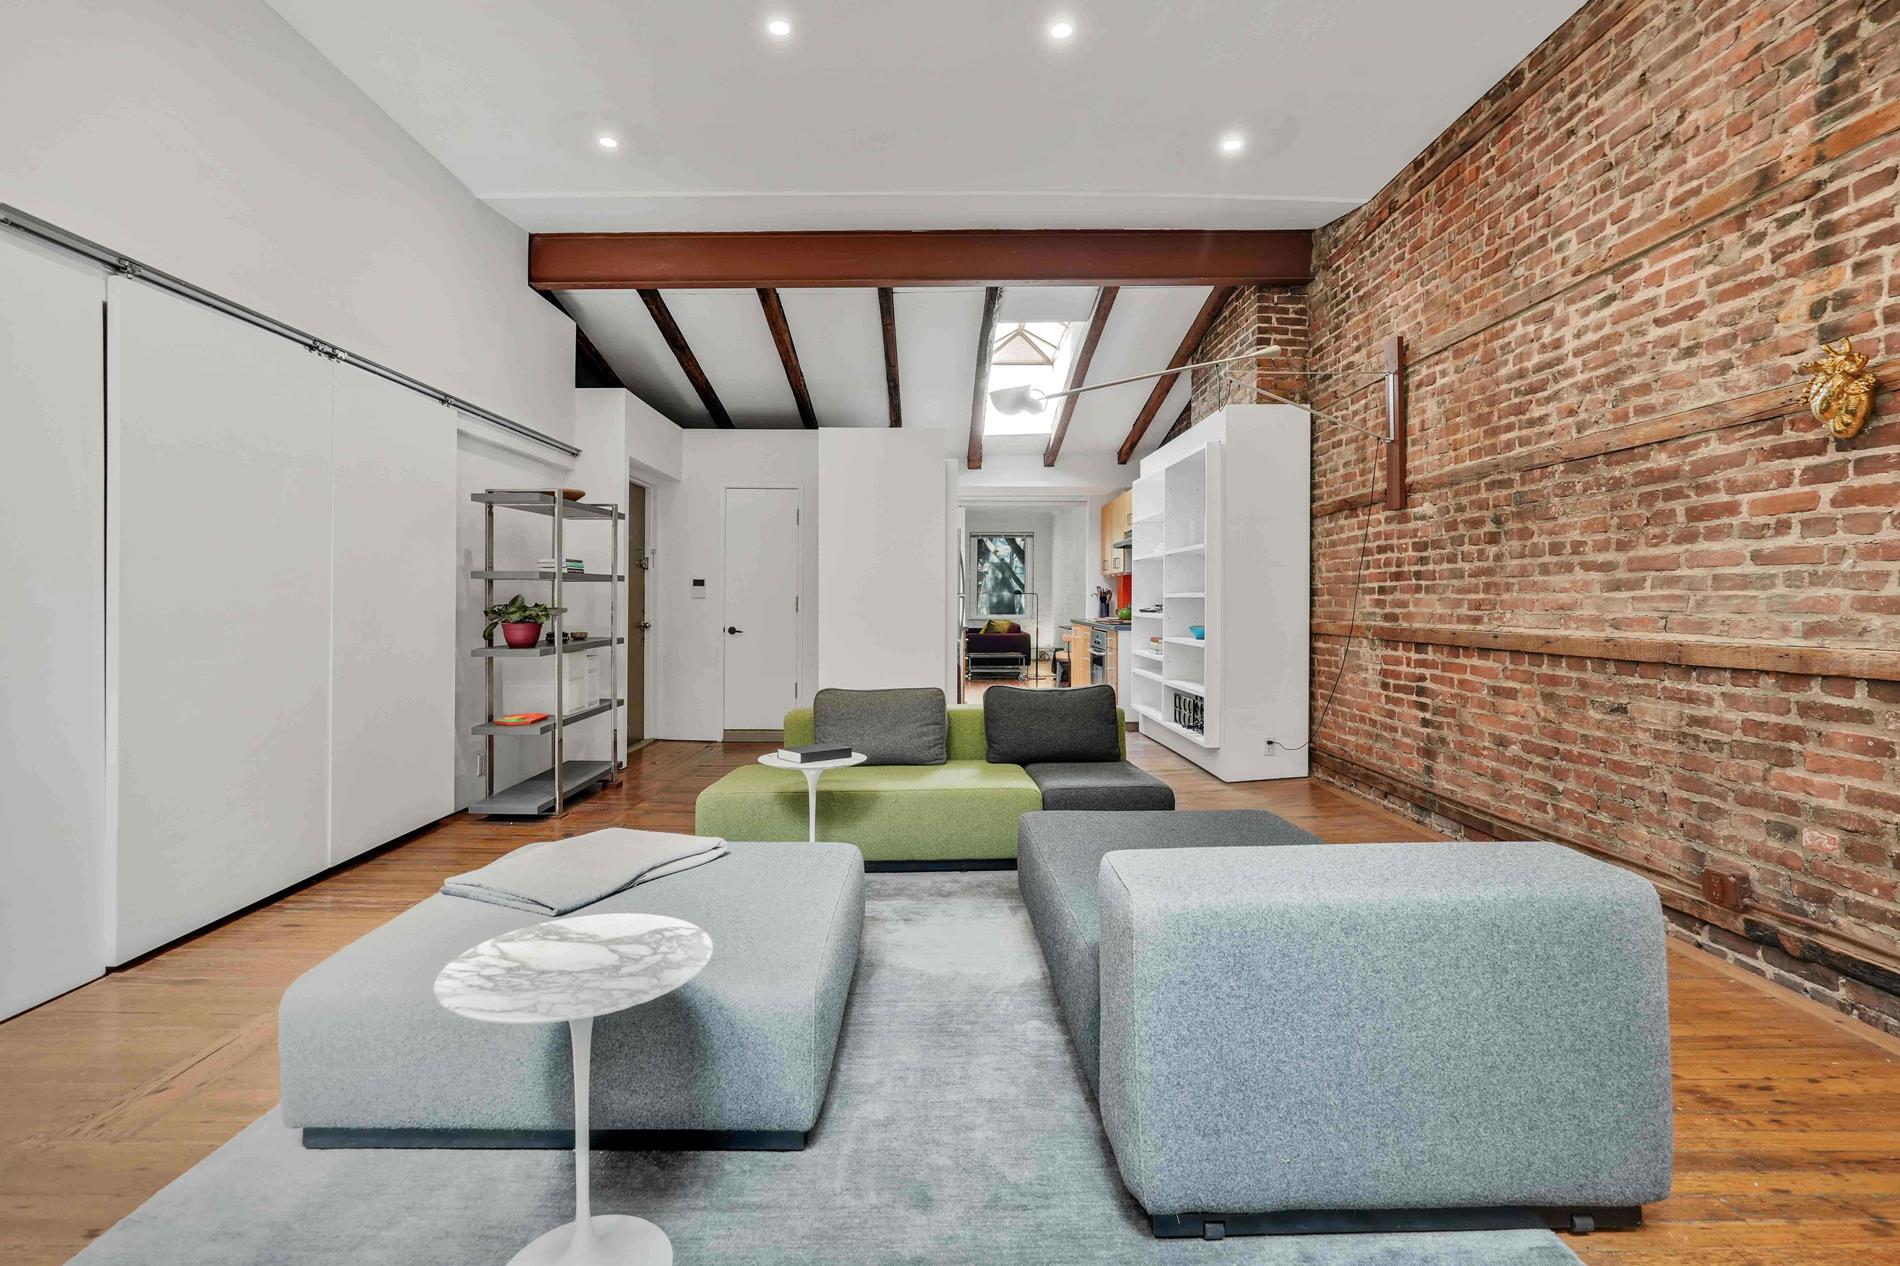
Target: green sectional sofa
[[965, 810]]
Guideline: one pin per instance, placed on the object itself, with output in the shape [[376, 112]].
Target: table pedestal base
[[616, 1241]]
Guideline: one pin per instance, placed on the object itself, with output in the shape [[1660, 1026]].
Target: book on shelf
[[813, 753], [572, 564], [522, 718]]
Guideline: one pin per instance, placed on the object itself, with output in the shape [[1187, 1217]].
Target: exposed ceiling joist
[[1078, 370], [952, 257], [992, 296], [887, 313], [1216, 300], [788, 356], [689, 363]]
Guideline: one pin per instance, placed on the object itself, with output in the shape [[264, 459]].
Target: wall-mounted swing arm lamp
[[1029, 400]]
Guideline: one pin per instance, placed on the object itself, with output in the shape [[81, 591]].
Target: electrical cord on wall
[[1352, 616]]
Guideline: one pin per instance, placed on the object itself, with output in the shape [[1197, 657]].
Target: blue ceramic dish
[[1198, 630]]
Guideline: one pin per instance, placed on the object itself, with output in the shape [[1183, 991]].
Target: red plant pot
[[522, 634]]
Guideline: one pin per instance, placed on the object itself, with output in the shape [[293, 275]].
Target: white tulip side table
[[811, 770], [574, 970]]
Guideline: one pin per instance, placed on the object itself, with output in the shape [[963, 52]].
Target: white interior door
[[52, 560], [761, 603], [392, 684], [218, 642]]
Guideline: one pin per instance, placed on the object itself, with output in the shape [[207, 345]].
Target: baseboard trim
[[322, 1138], [966, 863], [1218, 1226], [752, 736]]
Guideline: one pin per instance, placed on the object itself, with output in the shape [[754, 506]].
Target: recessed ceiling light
[[607, 142], [779, 28], [1061, 30], [1232, 143]]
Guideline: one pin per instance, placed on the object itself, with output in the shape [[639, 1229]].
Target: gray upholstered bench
[[1426, 1027], [1058, 859], [741, 1057], [1382, 1036]]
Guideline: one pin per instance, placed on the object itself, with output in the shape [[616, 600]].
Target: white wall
[[52, 562], [208, 139], [687, 684], [882, 525]]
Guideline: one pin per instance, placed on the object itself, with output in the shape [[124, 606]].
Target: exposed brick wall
[[1254, 316], [1604, 273]]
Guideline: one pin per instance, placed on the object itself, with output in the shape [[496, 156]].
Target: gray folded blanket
[[554, 877]]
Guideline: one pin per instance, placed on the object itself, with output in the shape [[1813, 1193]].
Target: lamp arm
[[1255, 354]]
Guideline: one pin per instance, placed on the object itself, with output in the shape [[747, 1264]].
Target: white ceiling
[[905, 115]]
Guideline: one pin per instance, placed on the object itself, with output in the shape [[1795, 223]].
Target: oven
[[1098, 655]]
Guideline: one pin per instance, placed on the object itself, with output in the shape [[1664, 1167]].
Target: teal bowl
[[1198, 630]]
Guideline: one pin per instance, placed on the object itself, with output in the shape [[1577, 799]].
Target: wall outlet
[[481, 760]]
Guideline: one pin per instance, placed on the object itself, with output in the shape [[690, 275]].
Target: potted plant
[[520, 621]]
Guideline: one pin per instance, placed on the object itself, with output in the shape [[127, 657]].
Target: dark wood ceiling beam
[[788, 356], [887, 314], [1203, 320], [1078, 371], [992, 295], [683, 353], [954, 257]]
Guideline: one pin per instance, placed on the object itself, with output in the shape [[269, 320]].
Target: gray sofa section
[[746, 1048], [1114, 785], [1058, 861], [1396, 1026]]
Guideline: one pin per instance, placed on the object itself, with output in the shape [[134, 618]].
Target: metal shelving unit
[[545, 793]]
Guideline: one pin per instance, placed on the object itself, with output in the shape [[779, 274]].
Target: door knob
[[644, 625], [730, 629]]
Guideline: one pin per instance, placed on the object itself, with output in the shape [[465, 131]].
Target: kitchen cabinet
[[1118, 520]]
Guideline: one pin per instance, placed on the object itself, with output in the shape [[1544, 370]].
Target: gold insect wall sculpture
[[1841, 391]]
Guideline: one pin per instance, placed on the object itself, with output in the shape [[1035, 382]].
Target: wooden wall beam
[[1394, 353], [986, 334], [887, 314], [1203, 320], [683, 353], [1804, 659], [955, 257], [788, 356], [1079, 369]]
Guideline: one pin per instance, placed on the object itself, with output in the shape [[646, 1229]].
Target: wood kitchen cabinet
[[1118, 520]]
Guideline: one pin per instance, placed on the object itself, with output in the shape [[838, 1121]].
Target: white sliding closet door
[[52, 560], [392, 699], [219, 639]]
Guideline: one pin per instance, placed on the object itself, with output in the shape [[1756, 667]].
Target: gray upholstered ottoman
[[1443, 1027], [739, 1057], [1058, 859]]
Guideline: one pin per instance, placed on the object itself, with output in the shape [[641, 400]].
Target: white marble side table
[[574, 970], [811, 770]]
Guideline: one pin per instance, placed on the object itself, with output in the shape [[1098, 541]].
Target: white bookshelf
[[1222, 540]]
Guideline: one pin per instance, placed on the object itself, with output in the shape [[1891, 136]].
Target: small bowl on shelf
[[1199, 631], [573, 494]]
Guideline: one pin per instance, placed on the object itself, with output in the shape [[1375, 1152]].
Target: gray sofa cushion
[[1113, 784], [905, 726], [1029, 727], [1383, 1026], [1058, 857], [747, 1045]]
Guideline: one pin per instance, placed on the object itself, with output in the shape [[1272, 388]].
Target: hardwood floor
[[1787, 1128]]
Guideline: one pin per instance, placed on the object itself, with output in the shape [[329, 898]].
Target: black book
[[812, 753]]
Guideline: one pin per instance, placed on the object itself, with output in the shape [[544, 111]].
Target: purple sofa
[[1016, 641]]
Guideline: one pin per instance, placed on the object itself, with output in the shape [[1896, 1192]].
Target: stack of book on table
[[814, 753]]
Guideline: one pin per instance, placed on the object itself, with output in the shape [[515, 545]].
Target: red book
[[522, 718]]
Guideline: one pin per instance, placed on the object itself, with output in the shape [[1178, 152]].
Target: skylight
[[1027, 354]]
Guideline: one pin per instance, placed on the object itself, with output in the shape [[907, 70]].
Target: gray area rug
[[959, 1131]]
